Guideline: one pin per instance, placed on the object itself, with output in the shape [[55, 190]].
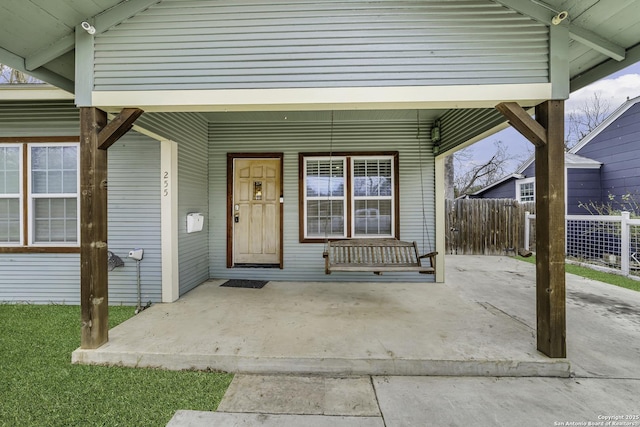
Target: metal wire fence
[[609, 242]]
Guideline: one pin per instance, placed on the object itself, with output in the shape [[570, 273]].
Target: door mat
[[239, 283]]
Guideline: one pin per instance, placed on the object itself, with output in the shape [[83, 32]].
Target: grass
[[40, 387], [613, 279]]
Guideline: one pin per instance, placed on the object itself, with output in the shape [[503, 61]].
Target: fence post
[[624, 243], [527, 222]]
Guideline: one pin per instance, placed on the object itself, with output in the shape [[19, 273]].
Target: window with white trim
[[324, 197], [50, 215], [348, 196], [10, 194], [372, 196], [526, 190]]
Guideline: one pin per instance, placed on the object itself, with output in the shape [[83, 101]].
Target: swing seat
[[377, 256]]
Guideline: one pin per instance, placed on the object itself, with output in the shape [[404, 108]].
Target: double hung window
[[526, 190], [39, 194], [10, 194], [348, 195]]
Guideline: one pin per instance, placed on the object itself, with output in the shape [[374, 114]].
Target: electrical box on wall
[[195, 221]]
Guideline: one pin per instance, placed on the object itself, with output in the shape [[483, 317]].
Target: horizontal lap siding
[[304, 261], [583, 188], [134, 217], [189, 130], [40, 278], [242, 44], [460, 125], [618, 149], [134, 220], [505, 190]]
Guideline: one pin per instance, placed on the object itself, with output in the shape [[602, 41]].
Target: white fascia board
[[583, 166], [33, 93], [316, 99], [526, 164]]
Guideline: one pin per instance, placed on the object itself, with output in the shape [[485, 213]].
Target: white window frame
[[354, 198], [32, 197], [522, 181], [20, 195], [333, 160], [349, 199]]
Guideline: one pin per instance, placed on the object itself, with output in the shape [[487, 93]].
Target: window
[[348, 195], [526, 190], [372, 196], [10, 197], [325, 198], [39, 206]]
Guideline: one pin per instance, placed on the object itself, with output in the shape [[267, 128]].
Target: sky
[[615, 89]]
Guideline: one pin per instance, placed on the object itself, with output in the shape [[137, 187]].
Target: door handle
[[236, 217]]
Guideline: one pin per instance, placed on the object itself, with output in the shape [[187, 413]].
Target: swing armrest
[[432, 258], [429, 255]]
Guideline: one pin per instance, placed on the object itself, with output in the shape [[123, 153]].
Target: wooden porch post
[[550, 232], [547, 134], [93, 230], [96, 136]]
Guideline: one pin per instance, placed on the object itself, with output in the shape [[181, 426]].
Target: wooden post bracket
[[523, 123], [117, 127]]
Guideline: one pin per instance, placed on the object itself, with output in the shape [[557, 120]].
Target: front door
[[256, 211]]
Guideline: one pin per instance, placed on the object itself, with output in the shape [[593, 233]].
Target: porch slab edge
[[327, 366], [184, 418]]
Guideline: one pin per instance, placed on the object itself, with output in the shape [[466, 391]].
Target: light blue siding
[[228, 44], [457, 126], [189, 130], [133, 216], [292, 133]]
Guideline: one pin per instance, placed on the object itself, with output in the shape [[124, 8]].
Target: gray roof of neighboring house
[[571, 160], [576, 161]]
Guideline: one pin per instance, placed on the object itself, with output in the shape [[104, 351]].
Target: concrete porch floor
[[332, 328]]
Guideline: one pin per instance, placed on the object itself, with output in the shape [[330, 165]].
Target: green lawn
[[40, 387], [613, 279]]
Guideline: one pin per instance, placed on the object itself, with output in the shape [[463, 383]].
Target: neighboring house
[[601, 168]]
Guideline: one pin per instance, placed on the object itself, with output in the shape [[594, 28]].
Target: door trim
[[230, 158]]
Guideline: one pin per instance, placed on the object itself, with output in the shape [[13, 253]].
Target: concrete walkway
[[603, 334]]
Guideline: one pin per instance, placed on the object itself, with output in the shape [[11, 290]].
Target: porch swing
[[378, 255]]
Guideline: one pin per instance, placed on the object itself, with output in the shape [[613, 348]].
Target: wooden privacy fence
[[485, 226]]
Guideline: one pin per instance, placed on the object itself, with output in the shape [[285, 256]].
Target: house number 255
[[165, 183]]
